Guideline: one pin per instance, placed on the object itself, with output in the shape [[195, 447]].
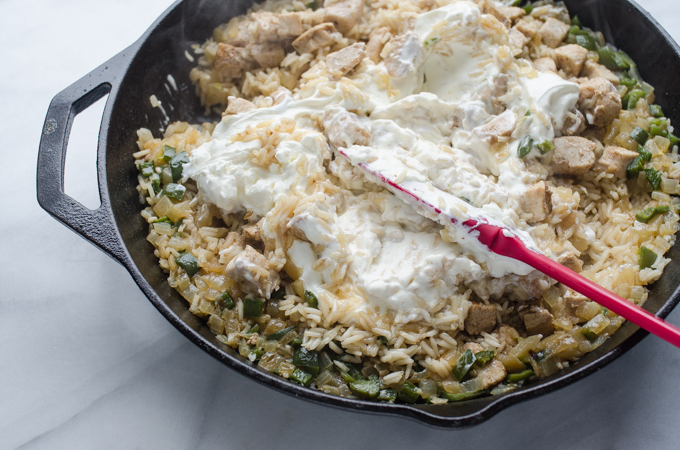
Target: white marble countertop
[[87, 362]]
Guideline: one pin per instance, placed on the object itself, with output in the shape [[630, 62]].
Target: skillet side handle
[[97, 225]]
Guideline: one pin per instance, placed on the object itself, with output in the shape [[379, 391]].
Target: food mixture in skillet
[[314, 272]]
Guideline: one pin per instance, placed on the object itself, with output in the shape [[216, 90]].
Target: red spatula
[[504, 242]]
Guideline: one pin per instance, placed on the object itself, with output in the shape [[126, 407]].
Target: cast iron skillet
[[117, 228]]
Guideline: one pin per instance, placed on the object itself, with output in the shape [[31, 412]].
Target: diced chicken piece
[[518, 39], [376, 43], [572, 155], [599, 101], [290, 26], [572, 301], [574, 123], [345, 129], [480, 318], [343, 13], [509, 335], [591, 69], [244, 35], [529, 29], [536, 201], [229, 61], [267, 26], [571, 58], [538, 320], [237, 105], [342, 61], [615, 160], [553, 32], [267, 55], [492, 373], [252, 234], [294, 226], [316, 37], [570, 261], [254, 273], [405, 51], [501, 126], [492, 96], [546, 64], [507, 14]]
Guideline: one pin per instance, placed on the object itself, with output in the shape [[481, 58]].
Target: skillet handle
[[97, 225]]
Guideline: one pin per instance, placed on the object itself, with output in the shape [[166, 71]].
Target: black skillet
[[117, 228]]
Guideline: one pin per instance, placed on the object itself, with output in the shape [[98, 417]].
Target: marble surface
[[86, 361]]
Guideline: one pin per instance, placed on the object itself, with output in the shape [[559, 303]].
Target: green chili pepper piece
[[656, 130], [387, 395], [588, 334], [258, 352], [280, 334], [586, 41], [640, 135], [366, 388], [525, 146], [296, 342], [545, 147], [674, 139], [484, 357], [155, 183], [646, 257], [463, 365], [622, 61], [408, 393], [654, 177], [174, 191], [635, 96], [307, 360], [656, 110], [528, 9], [635, 166], [253, 307], [168, 153], [523, 375], [648, 214], [607, 58], [146, 168], [188, 262], [646, 154], [225, 301], [254, 329], [301, 377], [576, 21], [176, 165], [462, 395], [382, 339], [164, 219], [311, 299]]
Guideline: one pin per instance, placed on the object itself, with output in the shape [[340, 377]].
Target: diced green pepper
[[366, 388], [654, 177], [408, 393], [484, 357], [387, 395], [280, 334], [188, 262], [545, 146], [168, 153], [575, 29], [174, 191], [528, 9], [646, 154], [586, 41], [382, 339], [623, 62], [311, 299], [635, 166], [279, 294], [155, 183], [588, 334], [576, 21], [258, 353], [525, 146], [635, 96], [640, 135], [254, 329], [146, 168], [462, 395], [164, 219], [656, 111], [176, 165], [307, 360], [656, 130], [628, 82], [253, 307], [225, 301], [523, 375], [648, 214], [674, 139], [607, 58], [646, 257], [463, 365], [301, 377], [296, 342]]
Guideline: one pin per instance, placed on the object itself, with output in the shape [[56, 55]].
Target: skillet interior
[[161, 52]]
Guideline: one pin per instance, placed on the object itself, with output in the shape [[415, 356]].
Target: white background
[[86, 362]]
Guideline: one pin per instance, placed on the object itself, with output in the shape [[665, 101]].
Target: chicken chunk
[[267, 26], [492, 373], [574, 123], [538, 320], [345, 129], [290, 26], [572, 155], [480, 318], [252, 234], [572, 301], [253, 272], [599, 101], [536, 202], [316, 37], [230, 61], [237, 105], [376, 42], [343, 13], [404, 54], [267, 55], [546, 64], [517, 39], [615, 160], [342, 61], [505, 14], [529, 29], [553, 32], [591, 69], [501, 126], [571, 58], [570, 261]]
